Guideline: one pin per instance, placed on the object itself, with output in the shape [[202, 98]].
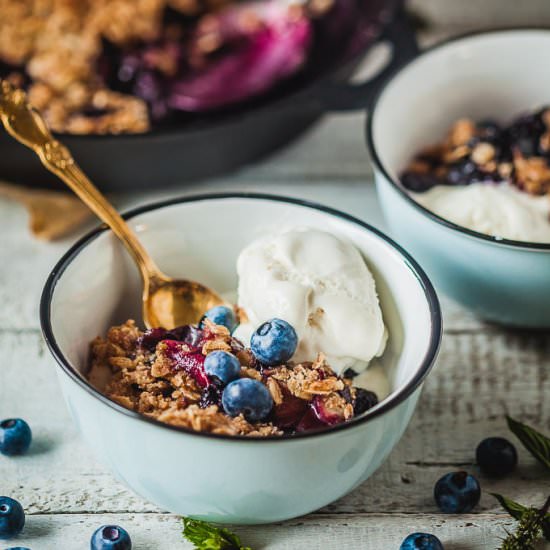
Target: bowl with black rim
[[233, 479], [490, 75]]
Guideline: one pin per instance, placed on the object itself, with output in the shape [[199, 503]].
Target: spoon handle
[[28, 127]]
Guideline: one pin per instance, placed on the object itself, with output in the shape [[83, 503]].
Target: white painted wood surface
[[483, 373]]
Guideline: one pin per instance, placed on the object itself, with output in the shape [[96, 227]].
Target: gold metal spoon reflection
[[167, 302]]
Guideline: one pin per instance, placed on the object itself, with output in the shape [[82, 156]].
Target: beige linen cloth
[[52, 214]]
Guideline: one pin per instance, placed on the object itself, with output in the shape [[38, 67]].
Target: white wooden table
[[482, 373]]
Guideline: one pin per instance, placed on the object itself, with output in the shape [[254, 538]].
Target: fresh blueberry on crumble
[[248, 397], [203, 378], [274, 342], [222, 315], [222, 365]]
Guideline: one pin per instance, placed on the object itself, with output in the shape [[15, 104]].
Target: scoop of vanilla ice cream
[[500, 210], [320, 285]]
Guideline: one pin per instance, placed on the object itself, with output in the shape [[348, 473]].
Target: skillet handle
[[344, 96]]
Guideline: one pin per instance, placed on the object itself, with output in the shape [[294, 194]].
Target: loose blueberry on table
[[203, 378], [12, 518], [15, 437], [496, 457], [111, 537], [421, 541], [457, 493]]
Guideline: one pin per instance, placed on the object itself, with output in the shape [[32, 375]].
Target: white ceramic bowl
[[489, 75], [221, 478]]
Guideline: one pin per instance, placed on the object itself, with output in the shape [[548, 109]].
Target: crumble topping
[[487, 152], [160, 374]]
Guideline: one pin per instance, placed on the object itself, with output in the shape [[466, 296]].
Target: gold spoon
[[167, 302]]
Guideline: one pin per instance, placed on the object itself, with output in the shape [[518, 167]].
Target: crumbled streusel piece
[[533, 174]]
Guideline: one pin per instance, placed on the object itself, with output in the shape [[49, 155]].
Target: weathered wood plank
[[458, 409], [365, 532]]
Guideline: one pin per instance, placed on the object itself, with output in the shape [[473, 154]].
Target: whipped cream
[[498, 209], [320, 285]]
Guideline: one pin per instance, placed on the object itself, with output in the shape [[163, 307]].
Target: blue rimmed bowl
[[496, 75], [216, 477]]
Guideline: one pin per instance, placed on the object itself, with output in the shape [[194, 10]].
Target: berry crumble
[[122, 66], [489, 178], [202, 378], [487, 152]]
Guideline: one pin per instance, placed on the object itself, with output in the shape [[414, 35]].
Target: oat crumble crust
[[530, 174], [59, 42], [144, 381]]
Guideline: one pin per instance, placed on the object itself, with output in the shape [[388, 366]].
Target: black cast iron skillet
[[196, 147]]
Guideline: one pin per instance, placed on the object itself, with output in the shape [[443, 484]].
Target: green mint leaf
[[515, 509], [536, 443], [207, 536], [528, 532]]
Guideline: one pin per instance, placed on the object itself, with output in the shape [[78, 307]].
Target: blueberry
[[364, 400], [18, 548], [249, 397], [496, 456], [15, 437], [457, 493], [12, 518], [418, 183], [349, 373], [222, 315], [463, 172], [274, 342], [111, 537], [421, 541], [524, 134], [222, 365]]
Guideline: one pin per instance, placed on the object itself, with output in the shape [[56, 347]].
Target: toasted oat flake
[[461, 132], [275, 391], [215, 345], [482, 153], [533, 174]]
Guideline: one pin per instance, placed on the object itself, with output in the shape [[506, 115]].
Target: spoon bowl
[[172, 303]]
